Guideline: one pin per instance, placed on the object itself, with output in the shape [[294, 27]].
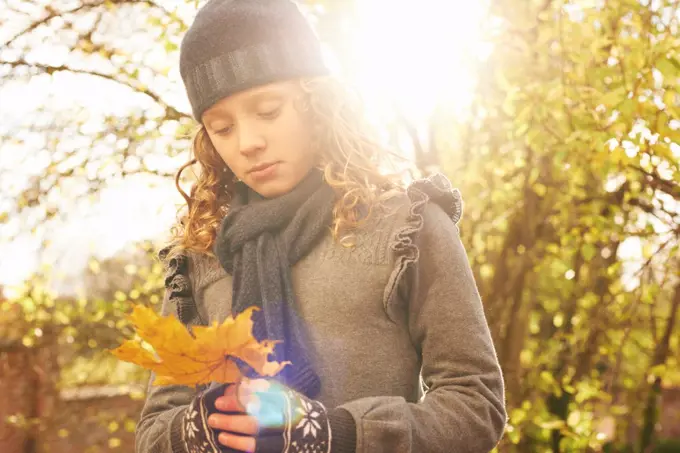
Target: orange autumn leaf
[[182, 359]]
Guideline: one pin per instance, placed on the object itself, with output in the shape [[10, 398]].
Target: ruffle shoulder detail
[[178, 285], [437, 189]]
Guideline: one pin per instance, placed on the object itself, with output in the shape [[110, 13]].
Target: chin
[[273, 189]]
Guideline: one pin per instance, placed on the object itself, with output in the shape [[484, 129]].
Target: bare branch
[[656, 182], [170, 112], [53, 13]]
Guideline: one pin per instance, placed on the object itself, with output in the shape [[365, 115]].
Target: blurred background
[[559, 120]]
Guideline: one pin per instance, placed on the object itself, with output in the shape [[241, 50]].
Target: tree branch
[[53, 13], [656, 182], [170, 112]]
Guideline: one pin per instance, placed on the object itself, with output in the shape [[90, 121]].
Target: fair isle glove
[[197, 436], [289, 423], [292, 423]]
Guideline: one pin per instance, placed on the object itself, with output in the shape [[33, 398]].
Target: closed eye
[[224, 130], [270, 114]]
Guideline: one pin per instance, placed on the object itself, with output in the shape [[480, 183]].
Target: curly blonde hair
[[349, 158]]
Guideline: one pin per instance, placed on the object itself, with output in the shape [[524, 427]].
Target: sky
[[413, 56]]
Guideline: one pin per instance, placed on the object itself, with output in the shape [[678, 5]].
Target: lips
[[260, 167], [263, 172]]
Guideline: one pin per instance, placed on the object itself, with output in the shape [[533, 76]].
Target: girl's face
[[263, 138]]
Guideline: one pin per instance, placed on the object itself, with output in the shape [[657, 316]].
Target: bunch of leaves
[[204, 355]]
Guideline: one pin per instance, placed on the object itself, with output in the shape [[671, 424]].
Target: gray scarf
[[258, 243]]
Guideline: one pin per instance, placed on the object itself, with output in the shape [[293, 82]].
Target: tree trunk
[[660, 356]]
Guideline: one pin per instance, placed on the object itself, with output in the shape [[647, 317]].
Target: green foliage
[[569, 165], [88, 325]]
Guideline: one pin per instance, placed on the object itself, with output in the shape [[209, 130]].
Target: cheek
[[224, 150], [298, 136]]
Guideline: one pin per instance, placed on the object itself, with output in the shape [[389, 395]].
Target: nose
[[251, 139]]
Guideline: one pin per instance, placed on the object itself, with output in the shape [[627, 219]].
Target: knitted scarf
[[258, 242]]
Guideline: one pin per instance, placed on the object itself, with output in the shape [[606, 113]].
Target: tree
[[569, 160]]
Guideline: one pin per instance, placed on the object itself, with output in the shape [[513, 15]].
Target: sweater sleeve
[[463, 410]]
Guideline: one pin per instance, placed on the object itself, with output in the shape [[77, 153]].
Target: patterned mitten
[[289, 423], [198, 436], [292, 423]]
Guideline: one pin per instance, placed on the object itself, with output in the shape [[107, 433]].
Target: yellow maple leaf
[[205, 357]]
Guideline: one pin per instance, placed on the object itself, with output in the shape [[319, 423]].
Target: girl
[[366, 284]]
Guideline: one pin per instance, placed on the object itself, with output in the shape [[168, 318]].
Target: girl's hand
[[261, 411], [243, 428]]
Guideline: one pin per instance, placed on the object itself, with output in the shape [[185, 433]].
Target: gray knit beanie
[[234, 45]]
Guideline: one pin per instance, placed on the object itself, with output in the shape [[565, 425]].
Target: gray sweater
[[397, 329]]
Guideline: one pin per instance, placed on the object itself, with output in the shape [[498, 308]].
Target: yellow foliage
[[207, 356]]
